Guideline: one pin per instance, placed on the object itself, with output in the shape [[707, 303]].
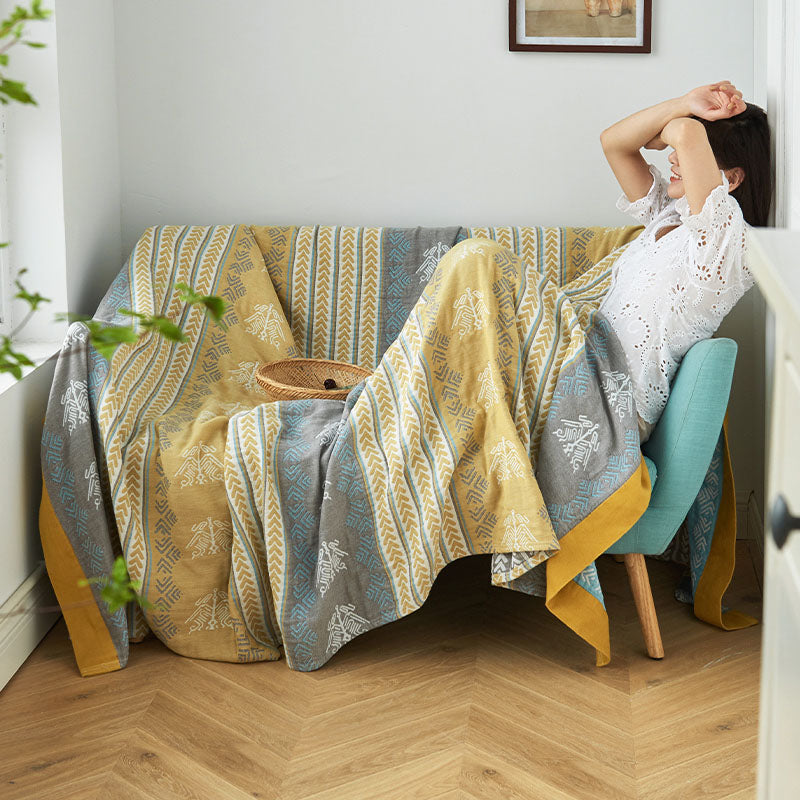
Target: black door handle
[[782, 522]]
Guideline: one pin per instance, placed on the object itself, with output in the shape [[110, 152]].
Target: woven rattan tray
[[304, 378]]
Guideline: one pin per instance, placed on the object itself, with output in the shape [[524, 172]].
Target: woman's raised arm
[[698, 167], [623, 140]]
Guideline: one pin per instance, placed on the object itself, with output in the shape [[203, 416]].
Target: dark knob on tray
[[329, 383], [782, 522]]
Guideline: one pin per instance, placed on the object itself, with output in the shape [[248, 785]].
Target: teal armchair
[[677, 456]]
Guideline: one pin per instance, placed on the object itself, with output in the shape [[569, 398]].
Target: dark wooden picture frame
[[560, 41]]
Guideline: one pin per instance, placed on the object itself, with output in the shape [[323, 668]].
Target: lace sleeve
[[716, 251], [647, 208]]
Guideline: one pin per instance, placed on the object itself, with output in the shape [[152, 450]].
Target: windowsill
[[38, 352]]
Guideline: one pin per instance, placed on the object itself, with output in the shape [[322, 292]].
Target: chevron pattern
[[345, 334], [699, 525], [141, 259], [369, 297], [301, 284], [396, 281], [322, 301], [119, 293], [249, 584], [275, 243], [54, 463], [166, 554], [389, 535], [346, 477], [480, 695]]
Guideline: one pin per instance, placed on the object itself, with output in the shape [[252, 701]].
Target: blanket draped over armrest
[[499, 419]]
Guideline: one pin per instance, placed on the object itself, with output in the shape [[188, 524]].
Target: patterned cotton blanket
[[499, 419]]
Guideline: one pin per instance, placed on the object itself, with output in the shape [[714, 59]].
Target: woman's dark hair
[[744, 141]]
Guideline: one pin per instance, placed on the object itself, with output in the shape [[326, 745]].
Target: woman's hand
[[715, 101]]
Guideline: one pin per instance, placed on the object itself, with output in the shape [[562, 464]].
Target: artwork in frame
[[580, 26]]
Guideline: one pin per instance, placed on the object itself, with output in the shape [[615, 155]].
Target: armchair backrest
[[682, 443]]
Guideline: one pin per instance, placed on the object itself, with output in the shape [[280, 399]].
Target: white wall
[[81, 220], [411, 113], [90, 149], [374, 113]]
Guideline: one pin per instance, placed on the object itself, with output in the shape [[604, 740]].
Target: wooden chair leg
[[643, 597]]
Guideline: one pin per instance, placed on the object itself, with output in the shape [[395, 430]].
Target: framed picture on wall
[[579, 26]]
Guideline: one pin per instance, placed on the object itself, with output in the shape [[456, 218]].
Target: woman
[[676, 282]]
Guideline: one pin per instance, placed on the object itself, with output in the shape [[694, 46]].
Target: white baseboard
[[21, 632]]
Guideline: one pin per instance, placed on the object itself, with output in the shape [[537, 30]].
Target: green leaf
[[24, 360], [116, 597], [135, 314], [119, 572], [33, 300], [14, 24], [16, 91], [11, 361], [38, 11], [186, 293], [71, 316], [37, 45], [14, 369], [117, 589], [215, 306], [164, 327], [106, 339]]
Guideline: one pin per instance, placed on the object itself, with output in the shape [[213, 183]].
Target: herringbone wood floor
[[481, 694]]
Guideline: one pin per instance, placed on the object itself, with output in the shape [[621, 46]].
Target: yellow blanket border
[[719, 566], [589, 539], [94, 650]]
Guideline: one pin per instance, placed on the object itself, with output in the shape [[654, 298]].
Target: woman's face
[[675, 188]]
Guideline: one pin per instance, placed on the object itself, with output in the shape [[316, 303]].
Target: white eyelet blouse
[[669, 293]]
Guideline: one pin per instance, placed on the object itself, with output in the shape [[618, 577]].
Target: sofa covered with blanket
[[498, 419]]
